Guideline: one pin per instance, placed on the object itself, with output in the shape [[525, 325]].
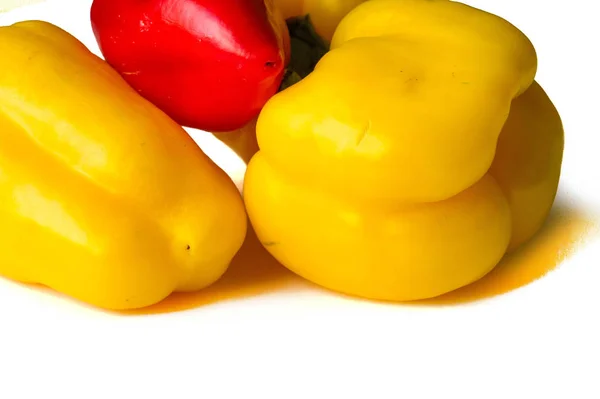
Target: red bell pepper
[[208, 64]]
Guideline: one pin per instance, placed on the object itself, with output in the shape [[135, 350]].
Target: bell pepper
[[412, 159], [208, 64], [102, 196], [310, 24]]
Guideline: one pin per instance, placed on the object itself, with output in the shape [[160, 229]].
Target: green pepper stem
[[307, 48]]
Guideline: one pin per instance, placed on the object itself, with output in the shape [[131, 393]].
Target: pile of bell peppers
[[396, 149]]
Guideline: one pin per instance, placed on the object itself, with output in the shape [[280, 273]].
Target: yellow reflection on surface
[[255, 272], [564, 231]]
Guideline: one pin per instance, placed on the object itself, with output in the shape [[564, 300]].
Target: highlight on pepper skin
[[208, 64], [417, 154]]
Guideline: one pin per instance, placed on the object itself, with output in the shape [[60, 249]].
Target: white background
[[307, 343]]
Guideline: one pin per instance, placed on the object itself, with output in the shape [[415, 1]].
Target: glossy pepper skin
[[324, 16], [209, 64], [417, 154], [102, 196]]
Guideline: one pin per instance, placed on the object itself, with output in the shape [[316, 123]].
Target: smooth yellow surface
[[528, 161], [373, 176], [102, 197]]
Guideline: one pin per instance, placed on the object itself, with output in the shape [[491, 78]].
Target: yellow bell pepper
[[325, 15], [102, 196], [415, 156]]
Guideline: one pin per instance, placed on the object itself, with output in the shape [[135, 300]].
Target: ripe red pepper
[[208, 64]]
